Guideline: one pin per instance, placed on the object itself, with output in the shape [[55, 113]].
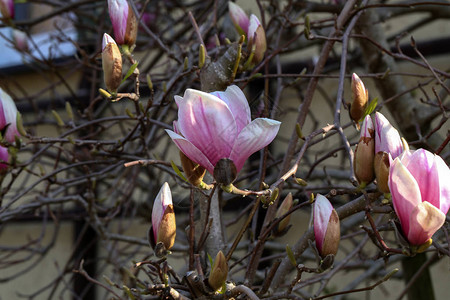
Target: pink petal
[[238, 104], [162, 200], [254, 23], [207, 122], [405, 192], [423, 168], [322, 213], [424, 221], [9, 116], [118, 13], [444, 185], [191, 151], [387, 138], [238, 17], [255, 136], [4, 156]]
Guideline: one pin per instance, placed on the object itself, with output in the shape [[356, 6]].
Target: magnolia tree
[[179, 123]]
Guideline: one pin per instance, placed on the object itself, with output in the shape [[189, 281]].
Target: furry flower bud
[[256, 38], [124, 22], [364, 153], [112, 63], [327, 229], [193, 171], [360, 98], [163, 219], [219, 272], [285, 206]]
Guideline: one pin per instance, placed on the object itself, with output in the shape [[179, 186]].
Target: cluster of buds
[[162, 233], [379, 145], [112, 63], [418, 181], [124, 22], [252, 29], [327, 230], [7, 9]]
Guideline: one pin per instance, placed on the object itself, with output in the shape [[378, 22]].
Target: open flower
[[8, 117], [124, 22], [7, 8], [420, 191], [327, 229], [218, 125], [163, 219]]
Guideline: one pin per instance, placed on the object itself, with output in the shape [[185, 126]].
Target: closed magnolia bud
[[20, 40], [285, 206], [327, 229], [225, 171], [163, 219], [363, 163], [381, 166], [4, 156], [193, 171], [9, 121], [256, 39], [112, 63], [238, 17], [7, 9], [124, 22], [219, 272], [360, 98]]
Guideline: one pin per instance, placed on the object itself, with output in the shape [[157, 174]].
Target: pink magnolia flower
[[7, 8], [420, 191], [238, 17], [4, 156], [124, 22], [218, 125], [326, 226], [163, 218], [387, 138], [8, 116], [257, 37]]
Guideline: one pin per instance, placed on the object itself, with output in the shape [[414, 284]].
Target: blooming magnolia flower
[[8, 116], [7, 8], [112, 63], [218, 125], [420, 191], [326, 227], [238, 17], [4, 156], [124, 22], [163, 218]]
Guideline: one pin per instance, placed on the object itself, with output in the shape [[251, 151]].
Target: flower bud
[[7, 9], [256, 38], [4, 156], [193, 171], [387, 138], [238, 17], [363, 163], [381, 167], [219, 272], [8, 117], [225, 171], [20, 40], [112, 63], [326, 227], [124, 22], [163, 219], [360, 98], [285, 206]]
